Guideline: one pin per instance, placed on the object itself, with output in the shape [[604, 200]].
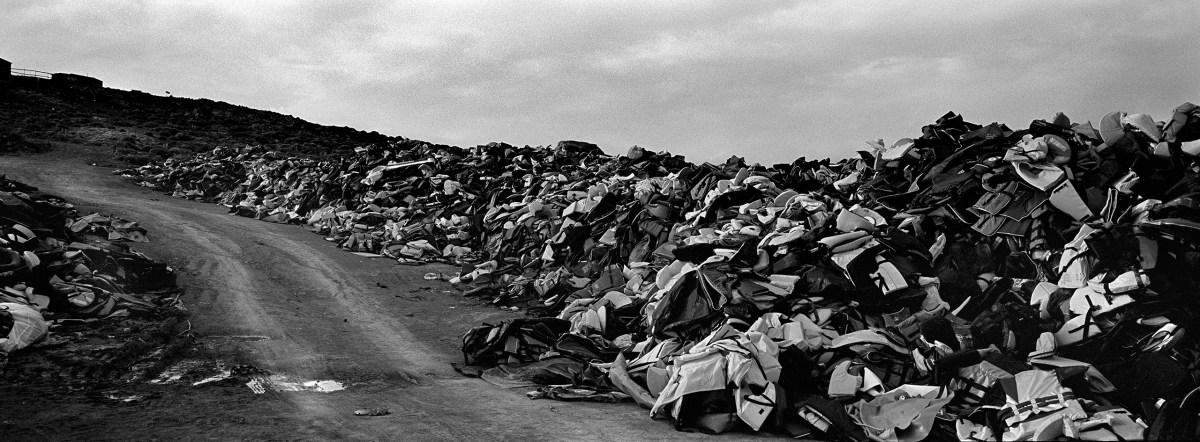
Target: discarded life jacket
[[1011, 326], [973, 384], [691, 305], [520, 340], [904, 414], [27, 327], [1031, 398], [722, 380], [1176, 419]]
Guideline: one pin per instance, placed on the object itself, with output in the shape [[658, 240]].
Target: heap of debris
[[71, 288], [975, 282]]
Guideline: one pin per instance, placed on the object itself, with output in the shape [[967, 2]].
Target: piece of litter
[[256, 385], [218, 377], [261, 384], [126, 399], [372, 412]]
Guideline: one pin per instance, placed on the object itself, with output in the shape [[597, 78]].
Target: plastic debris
[[372, 412]]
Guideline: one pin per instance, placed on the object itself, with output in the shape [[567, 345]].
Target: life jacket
[[1031, 398], [519, 340], [973, 384]]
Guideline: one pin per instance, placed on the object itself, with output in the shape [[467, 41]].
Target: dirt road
[[283, 299]]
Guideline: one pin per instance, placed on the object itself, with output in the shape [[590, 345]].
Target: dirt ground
[[282, 299]]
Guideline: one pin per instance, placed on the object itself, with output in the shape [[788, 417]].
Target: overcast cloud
[[768, 80]]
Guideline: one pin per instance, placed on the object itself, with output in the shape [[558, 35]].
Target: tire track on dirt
[[216, 275], [384, 332]]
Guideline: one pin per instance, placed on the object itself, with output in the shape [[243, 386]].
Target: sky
[[766, 80]]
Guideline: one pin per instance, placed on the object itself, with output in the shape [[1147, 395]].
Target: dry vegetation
[[141, 128]]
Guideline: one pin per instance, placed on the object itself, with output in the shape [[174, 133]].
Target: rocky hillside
[[142, 127]]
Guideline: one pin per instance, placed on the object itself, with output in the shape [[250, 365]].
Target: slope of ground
[[139, 127]]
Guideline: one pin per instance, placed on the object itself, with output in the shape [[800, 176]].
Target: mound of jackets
[[57, 266], [974, 282], [410, 200]]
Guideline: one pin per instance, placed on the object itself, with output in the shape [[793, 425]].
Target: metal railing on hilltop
[[30, 73]]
